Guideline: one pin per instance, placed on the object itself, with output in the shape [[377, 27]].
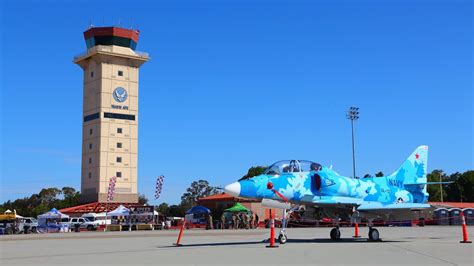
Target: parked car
[[30, 223], [99, 217], [83, 223]]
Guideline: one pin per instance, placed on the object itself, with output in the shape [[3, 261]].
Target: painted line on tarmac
[[422, 254]]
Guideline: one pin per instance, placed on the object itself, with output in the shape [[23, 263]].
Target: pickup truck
[[31, 223], [84, 223]]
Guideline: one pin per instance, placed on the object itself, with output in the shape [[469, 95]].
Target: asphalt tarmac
[[431, 245]]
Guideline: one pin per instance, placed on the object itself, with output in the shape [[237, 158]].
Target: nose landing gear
[[282, 238]]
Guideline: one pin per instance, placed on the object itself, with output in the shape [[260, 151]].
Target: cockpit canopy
[[292, 166]]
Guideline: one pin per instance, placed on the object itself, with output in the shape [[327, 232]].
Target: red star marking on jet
[[417, 156]]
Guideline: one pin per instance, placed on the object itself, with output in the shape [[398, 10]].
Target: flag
[[111, 191], [159, 185]]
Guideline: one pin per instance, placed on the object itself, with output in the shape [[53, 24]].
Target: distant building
[[218, 202], [110, 113]]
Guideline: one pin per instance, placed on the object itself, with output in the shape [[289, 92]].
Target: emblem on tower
[[120, 94]]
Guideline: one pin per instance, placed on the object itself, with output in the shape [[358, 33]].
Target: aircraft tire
[[374, 235], [282, 238], [335, 234]]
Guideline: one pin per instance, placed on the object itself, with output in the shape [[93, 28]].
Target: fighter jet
[[308, 183]]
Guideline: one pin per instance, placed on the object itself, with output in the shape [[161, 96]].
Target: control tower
[[110, 113]]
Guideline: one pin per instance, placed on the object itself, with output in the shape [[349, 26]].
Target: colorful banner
[[111, 191], [159, 186]]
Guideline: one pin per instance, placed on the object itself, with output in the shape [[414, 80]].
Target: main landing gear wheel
[[282, 238], [335, 234], [374, 234]]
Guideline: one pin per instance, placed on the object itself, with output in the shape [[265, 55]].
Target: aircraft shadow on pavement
[[289, 241], [215, 244], [342, 240]]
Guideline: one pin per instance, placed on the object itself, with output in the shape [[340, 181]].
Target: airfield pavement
[[400, 246]]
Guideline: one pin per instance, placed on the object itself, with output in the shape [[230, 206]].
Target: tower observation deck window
[[120, 73], [118, 174], [119, 159], [119, 144]]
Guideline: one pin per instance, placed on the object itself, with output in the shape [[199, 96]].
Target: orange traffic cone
[[180, 233], [465, 237], [272, 231], [356, 230]]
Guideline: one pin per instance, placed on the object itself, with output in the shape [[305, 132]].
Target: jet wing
[[331, 200], [371, 206], [362, 205]]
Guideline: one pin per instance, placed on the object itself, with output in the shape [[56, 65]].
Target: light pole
[[353, 114], [441, 185]]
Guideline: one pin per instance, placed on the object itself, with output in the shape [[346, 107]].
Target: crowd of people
[[241, 220]]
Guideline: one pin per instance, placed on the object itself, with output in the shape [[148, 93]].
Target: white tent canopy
[[120, 211]]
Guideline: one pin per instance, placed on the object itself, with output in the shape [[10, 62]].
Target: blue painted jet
[[309, 183]]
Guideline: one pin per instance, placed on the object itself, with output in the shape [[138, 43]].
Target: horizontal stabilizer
[[370, 206]]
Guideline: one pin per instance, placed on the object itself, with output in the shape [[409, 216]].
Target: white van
[[97, 217]]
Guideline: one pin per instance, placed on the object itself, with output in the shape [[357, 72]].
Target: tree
[[254, 171], [48, 195], [466, 183], [379, 174], [163, 209], [198, 189], [434, 190], [68, 192], [71, 198], [46, 199], [142, 199], [454, 191], [176, 211]]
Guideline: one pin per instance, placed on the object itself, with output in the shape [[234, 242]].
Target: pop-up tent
[[198, 210], [9, 215], [53, 221], [237, 208], [120, 211]]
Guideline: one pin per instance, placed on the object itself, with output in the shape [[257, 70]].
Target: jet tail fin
[[412, 173]]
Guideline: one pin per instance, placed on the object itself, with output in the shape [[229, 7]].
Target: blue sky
[[232, 84]]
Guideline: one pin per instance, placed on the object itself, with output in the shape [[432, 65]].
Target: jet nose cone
[[233, 189]]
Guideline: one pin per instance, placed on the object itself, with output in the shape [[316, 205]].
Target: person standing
[[234, 221], [256, 221], [251, 222], [222, 221], [247, 220], [211, 223]]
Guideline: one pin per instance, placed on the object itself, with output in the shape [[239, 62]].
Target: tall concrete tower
[[110, 113]]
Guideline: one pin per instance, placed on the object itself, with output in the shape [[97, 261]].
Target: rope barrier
[[317, 223]]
